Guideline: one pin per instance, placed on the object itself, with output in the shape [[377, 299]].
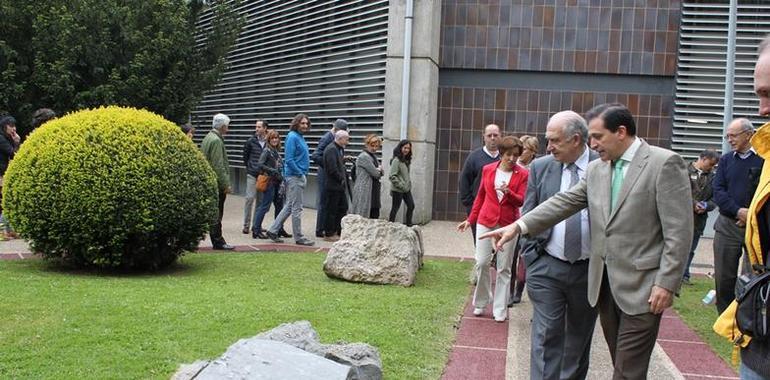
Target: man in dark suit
[[557, 259], [335, 199], [640, 212]]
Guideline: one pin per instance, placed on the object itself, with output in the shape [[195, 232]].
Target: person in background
[[401, 183], [270, 164], [733, 187], [41, 116], [188, 130], [366, 190], [336, 186], [296, 166], [701, 176], [213, 148], [471, 174], [501, 193], [317, 157], [252, 151], [531, 147], [9, 145]]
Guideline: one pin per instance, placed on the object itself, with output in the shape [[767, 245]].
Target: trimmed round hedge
[[110, 187]]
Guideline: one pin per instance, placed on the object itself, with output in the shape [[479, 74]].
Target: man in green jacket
[[213, 147]]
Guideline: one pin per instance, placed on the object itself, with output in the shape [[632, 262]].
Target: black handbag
[[753, 313]]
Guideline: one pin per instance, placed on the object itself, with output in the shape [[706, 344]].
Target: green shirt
[[213, 147]]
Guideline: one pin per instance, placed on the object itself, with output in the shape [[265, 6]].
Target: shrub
[[112, 188]]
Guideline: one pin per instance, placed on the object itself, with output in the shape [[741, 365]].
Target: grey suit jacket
[[544, 181], [645, 240]]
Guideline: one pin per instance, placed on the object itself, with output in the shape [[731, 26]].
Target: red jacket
[[490, 212]]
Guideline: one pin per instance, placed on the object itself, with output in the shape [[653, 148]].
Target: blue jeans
[[695, 238], [747, 373], [295, 186], [269, 196]]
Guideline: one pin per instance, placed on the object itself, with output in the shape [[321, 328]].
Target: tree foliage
[[161, 55]]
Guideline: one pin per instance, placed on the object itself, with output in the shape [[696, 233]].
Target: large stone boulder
[[251, 359], [375, 251]]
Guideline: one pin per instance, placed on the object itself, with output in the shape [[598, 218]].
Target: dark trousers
[[374, 213], [695, 239], [563, 320], [215, 232], [397, 198], [728, 244], [630, 338], [320, 217], [271, 195], [335, 206]]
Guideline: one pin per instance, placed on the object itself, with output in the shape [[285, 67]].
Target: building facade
[[471, 63]]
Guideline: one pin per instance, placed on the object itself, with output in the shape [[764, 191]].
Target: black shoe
[[273, 237], [320, 234], [305, 242], [283, 233], [259, 235], [245, 230], [224, 247]]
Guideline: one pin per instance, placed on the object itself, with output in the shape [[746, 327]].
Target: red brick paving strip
[[694, 358]]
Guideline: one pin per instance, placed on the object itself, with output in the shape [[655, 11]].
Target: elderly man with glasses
[[734, 184]]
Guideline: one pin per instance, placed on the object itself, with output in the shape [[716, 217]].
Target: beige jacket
[[645, 241]]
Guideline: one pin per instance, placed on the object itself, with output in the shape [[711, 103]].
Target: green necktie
[[617, 181]]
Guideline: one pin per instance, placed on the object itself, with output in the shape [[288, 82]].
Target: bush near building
[[111, 188]]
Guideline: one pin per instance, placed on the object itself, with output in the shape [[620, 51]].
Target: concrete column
[[423, 101]]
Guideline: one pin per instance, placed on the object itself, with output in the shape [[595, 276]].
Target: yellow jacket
[[761, 143]]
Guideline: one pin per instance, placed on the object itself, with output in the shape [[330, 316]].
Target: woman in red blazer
[[501, 193]]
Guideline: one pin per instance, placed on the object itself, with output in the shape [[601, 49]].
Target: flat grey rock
[[260, 359]]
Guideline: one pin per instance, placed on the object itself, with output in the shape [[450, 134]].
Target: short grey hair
[[745, 124], [763, 46], [341, 134], [574, 124], [220, 120]]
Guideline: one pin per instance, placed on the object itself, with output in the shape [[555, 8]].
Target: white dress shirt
[[555, 246]]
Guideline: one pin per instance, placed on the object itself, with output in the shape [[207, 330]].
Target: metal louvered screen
[[322, 58], [700, 83]]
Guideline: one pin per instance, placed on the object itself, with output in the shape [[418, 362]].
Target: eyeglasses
[[734, 135]]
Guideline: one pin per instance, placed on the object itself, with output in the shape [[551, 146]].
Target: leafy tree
[[161, 55]]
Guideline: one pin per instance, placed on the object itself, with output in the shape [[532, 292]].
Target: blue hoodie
[[297, 161]]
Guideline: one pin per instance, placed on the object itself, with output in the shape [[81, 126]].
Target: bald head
[[762, 77], [567, 135], [491, 137], [739, 134]]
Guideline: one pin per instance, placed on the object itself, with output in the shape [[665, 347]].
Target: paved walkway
[[485, 349]]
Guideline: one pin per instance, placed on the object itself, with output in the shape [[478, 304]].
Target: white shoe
[[500, 319], [478, 311]]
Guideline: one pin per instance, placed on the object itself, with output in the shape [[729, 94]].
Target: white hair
[[220, 120], [341, 134]]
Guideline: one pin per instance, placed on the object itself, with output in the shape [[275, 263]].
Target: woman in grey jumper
[[366, 190]]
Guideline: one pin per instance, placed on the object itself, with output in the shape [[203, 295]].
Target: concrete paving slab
[[600, 365]]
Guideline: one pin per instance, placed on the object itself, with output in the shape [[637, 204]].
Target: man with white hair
[[213, 147], [733, 185], [557, 259], [335, 200]]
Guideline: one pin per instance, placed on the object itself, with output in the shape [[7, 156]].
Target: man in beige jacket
[[639, 204]]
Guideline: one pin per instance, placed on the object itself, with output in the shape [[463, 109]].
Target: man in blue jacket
[[296, 165]]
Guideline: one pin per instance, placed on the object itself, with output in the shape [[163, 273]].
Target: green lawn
[[701, 318], [62, 324]]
